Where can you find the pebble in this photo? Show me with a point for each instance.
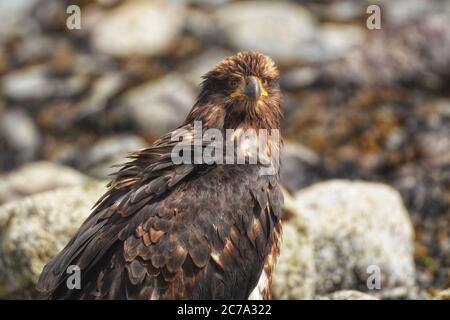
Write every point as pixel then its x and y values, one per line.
pixel 139 28
pixel 280 29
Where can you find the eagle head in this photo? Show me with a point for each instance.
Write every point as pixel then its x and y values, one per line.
pixel 242 91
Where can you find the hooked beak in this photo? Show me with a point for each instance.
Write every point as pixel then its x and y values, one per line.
pixel 251 87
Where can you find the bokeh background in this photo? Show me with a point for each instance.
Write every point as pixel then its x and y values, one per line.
pixel 359 104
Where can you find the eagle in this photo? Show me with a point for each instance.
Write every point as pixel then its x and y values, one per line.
pixel 167 229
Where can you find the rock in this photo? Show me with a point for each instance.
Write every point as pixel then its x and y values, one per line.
pixel 52 15
pixel 298 78
pixel 93 64
pixel 279 29
pixel 35 48
pixel 139 28
pixel 332 41
pixel 294 274
pixel 20 134
pixel 35 83
pixel 358 229
pixel 413 53
pixel 89 112
pixel 159 106
pixel 14 16
pixel 105 87
pixel 335 40
pixel 202 26
pixel 29 83
pixel 347 295
pixel 98 160
pixel 34 229
pixel 43 175
pixel 194 69
pixel 343 11
pixel 402 11
pixel 444 294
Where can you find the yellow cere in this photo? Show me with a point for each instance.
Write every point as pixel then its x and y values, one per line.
pixel 240 89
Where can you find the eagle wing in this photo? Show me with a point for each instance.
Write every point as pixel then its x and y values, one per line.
pixel 166 231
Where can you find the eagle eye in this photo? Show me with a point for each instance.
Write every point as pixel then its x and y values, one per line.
pixel 266 82
pixel 233 83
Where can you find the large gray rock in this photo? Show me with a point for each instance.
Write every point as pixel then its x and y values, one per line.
pixel 34 229
pixel 358 227
pixel 294 275
pixel 280 29
pixel 37 177
pixel 139 28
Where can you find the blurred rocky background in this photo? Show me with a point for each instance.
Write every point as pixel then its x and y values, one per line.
pixel 366 127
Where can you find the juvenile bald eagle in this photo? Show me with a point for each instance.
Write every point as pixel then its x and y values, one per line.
pixel 167 230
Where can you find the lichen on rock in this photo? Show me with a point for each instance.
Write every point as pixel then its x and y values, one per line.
pixel 34 229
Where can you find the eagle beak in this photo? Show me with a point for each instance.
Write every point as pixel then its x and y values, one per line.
pixel 251 87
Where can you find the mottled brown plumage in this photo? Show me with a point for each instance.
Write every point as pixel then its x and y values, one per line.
pixel 186 231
